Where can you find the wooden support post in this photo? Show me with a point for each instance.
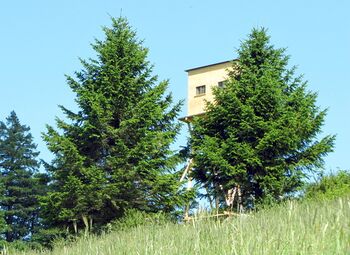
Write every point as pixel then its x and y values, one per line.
pixel 86 223
pixel 239 202
pixel 187 172
pixel 75 226
pixel 90 223
pixel 210 199
pixel 217 200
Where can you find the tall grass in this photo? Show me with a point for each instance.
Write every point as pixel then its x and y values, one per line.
pixel 294 228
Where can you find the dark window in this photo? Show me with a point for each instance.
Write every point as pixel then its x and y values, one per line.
pixel 221 84
pixel 200 90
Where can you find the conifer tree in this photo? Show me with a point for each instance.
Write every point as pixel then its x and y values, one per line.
pixel 19 187
pixel 114 153
pixel 261 133
pixel 3 226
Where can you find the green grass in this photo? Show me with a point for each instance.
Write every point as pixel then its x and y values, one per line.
pixel 294 228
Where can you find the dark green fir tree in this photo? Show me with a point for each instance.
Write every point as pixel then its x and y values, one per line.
pixel 262 131
pixel 114 153
pixel 3 226
pixel 19 184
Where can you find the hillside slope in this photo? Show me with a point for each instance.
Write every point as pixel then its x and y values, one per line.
pixel 294 228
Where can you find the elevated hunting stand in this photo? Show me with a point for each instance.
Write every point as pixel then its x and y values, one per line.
pixel 201 81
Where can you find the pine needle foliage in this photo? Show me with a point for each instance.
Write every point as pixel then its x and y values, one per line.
pixel 114 153
pixel 20 182
pixel 262 132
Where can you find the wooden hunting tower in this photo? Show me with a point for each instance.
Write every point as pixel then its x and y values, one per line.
pixel 201 81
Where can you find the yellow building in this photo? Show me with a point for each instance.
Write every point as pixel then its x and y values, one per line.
pixel 201 81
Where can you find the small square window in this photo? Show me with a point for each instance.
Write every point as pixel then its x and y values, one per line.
pixel 221 84
pixel 200 90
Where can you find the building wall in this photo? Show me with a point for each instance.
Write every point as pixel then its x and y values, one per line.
pixel 208 76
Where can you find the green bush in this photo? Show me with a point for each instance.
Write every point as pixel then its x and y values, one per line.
pixel 330 186
pixel 47 238
pixel 134 218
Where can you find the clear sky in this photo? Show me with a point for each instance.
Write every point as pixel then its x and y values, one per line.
pixel 41 41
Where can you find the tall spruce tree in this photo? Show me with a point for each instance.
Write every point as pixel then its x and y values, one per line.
pixel 114 153
pixel 261 133
pixel 3 227
pixel 19 186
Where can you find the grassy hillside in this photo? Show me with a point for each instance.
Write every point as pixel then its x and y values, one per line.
pixel 295 228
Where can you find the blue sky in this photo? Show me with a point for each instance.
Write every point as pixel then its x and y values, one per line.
pixel 41 41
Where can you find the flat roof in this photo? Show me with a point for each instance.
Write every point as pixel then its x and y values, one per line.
pixel 219 63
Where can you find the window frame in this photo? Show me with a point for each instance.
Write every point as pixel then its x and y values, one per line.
pixel 221 84
pixel 201 90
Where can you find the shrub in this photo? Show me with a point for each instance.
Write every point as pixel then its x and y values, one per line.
pixel 134 218
pixel 330 186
